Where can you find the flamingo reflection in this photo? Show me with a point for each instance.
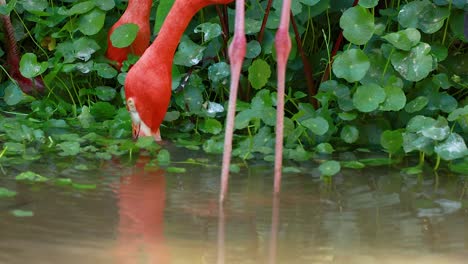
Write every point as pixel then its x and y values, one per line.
pixel 141 205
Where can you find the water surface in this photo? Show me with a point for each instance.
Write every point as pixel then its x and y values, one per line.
pixel 138 215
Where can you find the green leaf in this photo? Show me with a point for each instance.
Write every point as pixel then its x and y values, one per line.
pixel 259 73
pixel 80 8
pixel 30 68
pixel 243 118
pixel 391 140
pixel 318 125
pixel 105 5
pixel 358 25
pixel 176 170
pixel 84 47
pixel 91 23
pixel 211 126
pixel 124 35
pixel 457 113
pixel 85 117
pixel 351 65
pixel 13 94
pixel 164 157
pixel 417 104
pixel 82 186
pixel 368 3
pixel 413 65
pixel 395 99
pixel 35 5
pixel 325 148
pixel 404 39
pixel 105 93
pixel 4 192
pixel 349 134
pixel 453 147
pixel 163 9
pixel 209 30
pixel 22 213
pixel 189 53
pixel 219 72
pixel 424 15
pixel 309 2
pixel 104 70
pixel 368 97
pixel 103 111
pixel 69 148
pixel 329 168
pixel 253 49
pixel 31 176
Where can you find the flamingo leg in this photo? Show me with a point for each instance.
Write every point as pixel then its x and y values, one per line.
pixel 237 51
pixel 283 47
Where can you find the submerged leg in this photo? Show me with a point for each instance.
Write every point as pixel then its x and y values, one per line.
pixel 283 47
pixel 236 56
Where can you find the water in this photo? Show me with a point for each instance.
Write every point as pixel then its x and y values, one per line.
pixel 151 216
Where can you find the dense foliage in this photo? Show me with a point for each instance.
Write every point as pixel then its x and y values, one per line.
pixel 398 84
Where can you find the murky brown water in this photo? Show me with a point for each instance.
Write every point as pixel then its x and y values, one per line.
pixel 375 215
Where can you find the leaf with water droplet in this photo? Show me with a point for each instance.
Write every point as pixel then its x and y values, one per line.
pixel 92 22
pixel 325 148
pixel 189 53
pixel 84 48
pixel 351 65
pixel 413 65
pixel 453 147
pixel 416 104
pixel 404 39
pixel 124 35
pixel 209 30
pixel 30 68
pixel 219 71
pixel 13 94
pixel 423 15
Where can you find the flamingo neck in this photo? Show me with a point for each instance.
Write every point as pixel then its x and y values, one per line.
pixel 177 20
pixel 138 10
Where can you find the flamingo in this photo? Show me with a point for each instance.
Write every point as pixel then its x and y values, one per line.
pixel 27 85
pixel 148 83
pixel 137 12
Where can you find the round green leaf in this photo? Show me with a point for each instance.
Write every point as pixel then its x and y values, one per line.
pixel 189 53
pixel 368 3
pixel 351 65
pixel 253 49
pixel 13 94
pixel 368 97
pixel 80 8
pixel 457 113
pixel 164 157
pixel 395 99
pixel 329 168
pixel 35 5
pixel 392 141
pixel 209 30
pixel 105 93
pixel 404 39
pixel 424 15
pixel 259 73
pixel 30 68
pixel 104 70
pixel 325 148
pixel 358 25
pixel 413 65
pixel 309 2
pixel 218 72
pixel 84 48
pixel 453 147
pixel 349 134
pixel 92 22
pixel 318 125
pixel 211 126
pixel 417 104
pixel 124 35
pixel 105 5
